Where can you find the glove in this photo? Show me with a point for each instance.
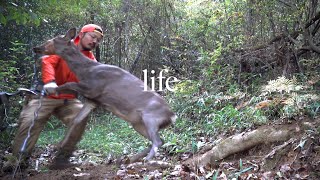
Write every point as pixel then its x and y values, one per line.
pixel 50 88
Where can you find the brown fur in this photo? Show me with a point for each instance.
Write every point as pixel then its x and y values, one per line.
pixel 114 89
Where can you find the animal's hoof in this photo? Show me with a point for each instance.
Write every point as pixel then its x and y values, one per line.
pixel 146 159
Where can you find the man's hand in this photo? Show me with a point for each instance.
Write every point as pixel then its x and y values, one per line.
pixel 50 88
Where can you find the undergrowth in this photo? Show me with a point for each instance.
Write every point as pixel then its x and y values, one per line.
pixel 204 113
pixel 114 136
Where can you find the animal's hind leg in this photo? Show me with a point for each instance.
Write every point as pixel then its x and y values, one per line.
pixel 140 128
pixel 153 133
pixel 156 143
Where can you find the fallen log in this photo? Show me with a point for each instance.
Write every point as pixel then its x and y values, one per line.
pixel 244 141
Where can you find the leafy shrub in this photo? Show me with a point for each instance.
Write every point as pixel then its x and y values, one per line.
pixel 16 71
pixel 290 98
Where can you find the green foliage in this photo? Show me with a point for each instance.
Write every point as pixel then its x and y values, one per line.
pixel 116 137
pixel 192 38
pixel 5 137
pixel 313 108
pixel 110 137
pixel 16 69
pixel 174 143
pixel 205 111
pixel 290 98
pixel 9 121
pixel 20 13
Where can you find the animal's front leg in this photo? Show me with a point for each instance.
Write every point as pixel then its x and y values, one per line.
pixel 77 128
pixel 70 87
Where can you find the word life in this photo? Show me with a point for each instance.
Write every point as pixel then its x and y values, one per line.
pixel 161 79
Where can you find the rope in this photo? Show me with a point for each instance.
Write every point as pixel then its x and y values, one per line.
pixel 23 148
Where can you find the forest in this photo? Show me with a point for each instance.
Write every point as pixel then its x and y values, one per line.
pixel 242 77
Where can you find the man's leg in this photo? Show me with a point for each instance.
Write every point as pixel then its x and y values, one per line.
pixel 74 111
pixel 33 117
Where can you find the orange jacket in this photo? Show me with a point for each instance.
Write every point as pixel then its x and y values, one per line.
pixel 54 68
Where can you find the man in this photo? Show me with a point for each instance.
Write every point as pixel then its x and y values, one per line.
pixel 65 107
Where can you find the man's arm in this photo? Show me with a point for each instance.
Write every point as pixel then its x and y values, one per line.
pixel 48 68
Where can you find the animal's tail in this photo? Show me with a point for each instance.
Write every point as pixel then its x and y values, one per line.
pixel 173 118
pixel 168 121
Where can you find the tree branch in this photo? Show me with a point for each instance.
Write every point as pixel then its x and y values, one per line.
pixel 313 46
pixel 313 20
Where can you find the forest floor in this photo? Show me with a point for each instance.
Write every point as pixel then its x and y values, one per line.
pixel 295 158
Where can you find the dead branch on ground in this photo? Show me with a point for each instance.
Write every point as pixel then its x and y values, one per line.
pixel 242 142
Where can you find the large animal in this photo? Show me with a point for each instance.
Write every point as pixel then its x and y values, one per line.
pixel 114 89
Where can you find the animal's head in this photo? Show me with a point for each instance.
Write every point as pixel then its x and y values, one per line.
pixel 57 44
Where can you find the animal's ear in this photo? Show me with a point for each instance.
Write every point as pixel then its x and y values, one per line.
pixel 71 34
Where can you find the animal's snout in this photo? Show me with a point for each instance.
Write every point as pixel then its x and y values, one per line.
pixel 38 49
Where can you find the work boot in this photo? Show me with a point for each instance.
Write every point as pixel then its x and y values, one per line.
pixel 11 164
pixel 61 161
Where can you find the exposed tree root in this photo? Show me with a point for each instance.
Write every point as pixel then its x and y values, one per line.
pixel 244 141
pixel 271 160
pixel 139 156
pixel 134 158
pixel 154 164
